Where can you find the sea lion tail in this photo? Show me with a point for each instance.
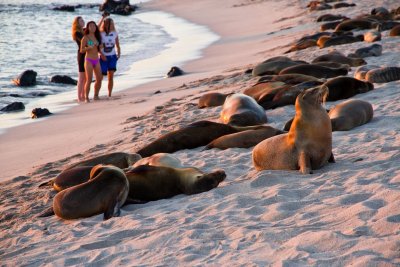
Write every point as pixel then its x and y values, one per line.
pixel 47 213
pixel 48 183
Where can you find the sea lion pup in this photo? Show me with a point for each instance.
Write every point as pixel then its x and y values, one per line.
pixel 349 114
pixel 395 31
pixel 69 178
pixel 261 88
pixel 212 100
pixel 293 78
pixel 160 159
pixel 308 144
pixel 149 183
pixel 119 159
pixel 359 24
pixel 105 192
pixel 242 110
pixel 360 72
pixel 273 67
pixel 191 136
pixel 383 75
pixel 244 139
pixel 338 57
pixel 374 50
pixel 345 87
pixel 315 70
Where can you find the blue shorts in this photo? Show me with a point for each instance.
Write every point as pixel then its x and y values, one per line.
pixel 110 64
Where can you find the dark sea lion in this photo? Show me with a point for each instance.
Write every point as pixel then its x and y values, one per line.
pixel 349 114
pixel 374 50
pixel 315 70
pixel 339 40
pixel 119 159
pixel 69 178
pixel 342 5
pixel 242 110
pixel 301 44
pixel 191 136
pixel 339 58
pixel 359 24
pixel 389 25
pixel 395 31
pixel 361 71
pixel 333 65
pixel 272 67
pixel 149 183
pixel 308 144
pixel 277 58
pixel 345 87
pixel 160 159
pixel 105 192
pixel 244 139
pixel 212 100
pixel 261 88
pixel 292 79
pixel 330 17
pixel 383 75
pixel 329 25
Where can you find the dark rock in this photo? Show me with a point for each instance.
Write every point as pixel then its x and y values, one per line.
pixel 174 71
pixel 27 78
pixel 121 7
pixel 248 71
pixel 157 92
pixel 65 8
pixel 63 79
pixel 40 112
pixel 15 106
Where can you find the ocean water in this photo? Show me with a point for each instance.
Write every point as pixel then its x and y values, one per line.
pixel 33 36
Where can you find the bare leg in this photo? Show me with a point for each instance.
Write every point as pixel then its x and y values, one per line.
pixel 89 76
pixel 97 84
pixel 81 86
pixel 110 76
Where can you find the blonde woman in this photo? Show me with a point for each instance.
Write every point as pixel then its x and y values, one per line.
pixel 111 50
pixel 77 35
pixel 91 45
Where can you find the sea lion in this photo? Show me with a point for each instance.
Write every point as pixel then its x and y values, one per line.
pixel 383 75
pixel 105 192
pixel 333 65
pixel 345 87
pixel 339 40
pixel 149 183
pixel 372 36
pixel 301 44
pixel 308 144
pixel 242 110
pixel 374 50
pixel 191 136
pixel 361 71
pixel 341 5
pixel 69 178
pixel 260 88
pixel 395 31
pixel 339 58
pixel 277 58
pixel 330 17
pixel 293 78
pixel 329 25
pixel 119 159
pixel 244 139
pixel 212 100
pixel 160 159
pixel 359 24
pixel 273 67
pixel 349 114
pixel 315 70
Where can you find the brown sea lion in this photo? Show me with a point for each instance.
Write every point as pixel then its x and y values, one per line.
pixel 333 65
pixel 149 183
pixel 244 139
pixel 302 44
pixel 277 58
pixel 339 40
pixel 353 24
pixel 160 159
pixel 374 50
pixel 315 70
pixel 293 78
pixel 273 67
pixel 330 17
pixel 212 100
pixel 383 75
pixel 242 110
pixel 395 31
pixel 345 87
pixel 261 88
pixel 341 5
pixel 349 114
pixel 119 159
pixel 191 136
pixel 69 178
pixel 329 25
pixel 339 58
pixel 360 72
pixel 308 144
pixel 105 192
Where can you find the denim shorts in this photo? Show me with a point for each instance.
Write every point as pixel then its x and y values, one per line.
pixel 109 64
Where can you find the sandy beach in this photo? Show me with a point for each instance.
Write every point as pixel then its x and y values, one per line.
pixel 344 214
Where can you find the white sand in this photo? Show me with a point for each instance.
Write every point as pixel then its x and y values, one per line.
pixel 346 213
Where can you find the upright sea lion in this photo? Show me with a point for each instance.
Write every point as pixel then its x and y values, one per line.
pixel 149 183
pixel 242 110
pixel 360 24
pixel 383 75
pixel 212 100
pixel 191 136
pixel 244 139
pixel 160 159
pixel 374 50
pixel 307 146
pixel 105 192
pixel 119 159
pixel 339 58
pixel 315 70
pixel 349 114
pixel 345 87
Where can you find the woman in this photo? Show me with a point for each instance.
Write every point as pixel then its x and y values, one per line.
pixel 109 38
pixel 91 45
pixel 77 35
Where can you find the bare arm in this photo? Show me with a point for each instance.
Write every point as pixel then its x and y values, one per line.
pixel 118 47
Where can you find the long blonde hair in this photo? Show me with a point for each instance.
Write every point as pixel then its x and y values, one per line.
pixel 76 27
pixel 108 26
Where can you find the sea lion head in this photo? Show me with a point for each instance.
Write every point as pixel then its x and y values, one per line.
pixel 312 97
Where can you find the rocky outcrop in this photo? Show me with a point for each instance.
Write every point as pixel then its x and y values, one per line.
pixel 39 112
pixel 15 106
pixel 174 71
pixel 121 7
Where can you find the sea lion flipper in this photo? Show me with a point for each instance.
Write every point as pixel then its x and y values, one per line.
pixel 48 183
pixel 331 158
pixel 305 163
pixel 47 212
pixel 112 210
pixel 130 201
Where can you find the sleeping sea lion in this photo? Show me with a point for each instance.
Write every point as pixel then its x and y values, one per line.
pixel 349 114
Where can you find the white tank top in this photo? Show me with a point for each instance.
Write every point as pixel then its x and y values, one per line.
pixel 108 41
